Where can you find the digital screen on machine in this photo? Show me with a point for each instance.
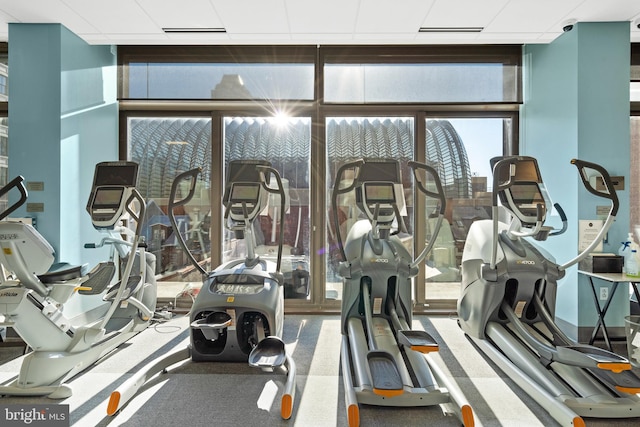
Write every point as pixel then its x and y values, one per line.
pixel 238 284
pixel 116 174
pixel 379 171
pixel 526 196
pixel 379 193
pixel 107 197
pixel 244 170
pixel 247 193
pixel 522 170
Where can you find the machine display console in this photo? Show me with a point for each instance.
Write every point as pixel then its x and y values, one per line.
pixel 112 186
pixel 382 193
pixel 244 199
pixel 245 193
pixel 527 197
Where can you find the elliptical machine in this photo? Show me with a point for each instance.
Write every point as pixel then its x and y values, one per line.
pixel 508 300
pixel 383 361
pixel 69 317
pixel 239 313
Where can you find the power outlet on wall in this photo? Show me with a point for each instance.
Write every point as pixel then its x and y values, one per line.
pixel 604 293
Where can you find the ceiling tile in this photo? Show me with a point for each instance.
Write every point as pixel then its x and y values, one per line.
pixel 313 21
pixel 116 16
pixel 463 13
pixel 252 16
pixel 398 16
pixel 322 17
pixel 190 14
pixel 46 12
pixel 530 16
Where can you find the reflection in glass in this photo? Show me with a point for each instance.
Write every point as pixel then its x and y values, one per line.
pixel 435 82
pixel 460 149
pixel 351 138
pixel 286 144
pixel 4 159
pixel 220 81
pixel 164 147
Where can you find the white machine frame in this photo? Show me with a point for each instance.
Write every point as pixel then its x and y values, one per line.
pixel 68 317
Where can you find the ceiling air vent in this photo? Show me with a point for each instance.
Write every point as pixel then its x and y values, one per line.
pixel 193 30
pixel 450 29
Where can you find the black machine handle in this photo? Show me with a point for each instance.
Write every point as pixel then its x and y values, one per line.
pixel 17 182
pixel 497 186
pixel 415 167
pixel 563 218
pixel 439 195
pixel 610 194
pixel 193 175
pixel 266 172
pixel 334 198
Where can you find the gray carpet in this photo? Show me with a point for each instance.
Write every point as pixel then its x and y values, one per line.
pixel 230 394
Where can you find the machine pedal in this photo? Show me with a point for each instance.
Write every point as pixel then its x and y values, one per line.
pixel 99 279
pixel 211 325
pixel 602 359
pixel 384 374
pixel 269 353
pixel 625 382
pixel 419 341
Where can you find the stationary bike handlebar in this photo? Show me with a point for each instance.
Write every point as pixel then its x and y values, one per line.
pixel 17 182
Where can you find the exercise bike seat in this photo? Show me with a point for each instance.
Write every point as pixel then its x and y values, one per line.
pixel 63 271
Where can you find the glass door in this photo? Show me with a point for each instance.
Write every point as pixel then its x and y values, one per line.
pixel 286 144
pixel 351 138
pixel 165 147
pixel 460 150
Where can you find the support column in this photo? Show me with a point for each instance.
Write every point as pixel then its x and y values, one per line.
pixel 577 106
pixel 63 119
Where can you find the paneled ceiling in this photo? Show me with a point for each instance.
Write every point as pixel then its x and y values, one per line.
pixel 318 21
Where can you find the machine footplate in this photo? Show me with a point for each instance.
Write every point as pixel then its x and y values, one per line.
pixel 625 382
pixel 213 324
pixel 384 373
pixel 269 353
pixel 603 359
pixel 419 341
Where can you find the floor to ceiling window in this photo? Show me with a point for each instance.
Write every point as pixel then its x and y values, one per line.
pixel 4 122
pixel 307 109
pixel 165 147
pixel 284 142
pixel 460 150
pixel 351 138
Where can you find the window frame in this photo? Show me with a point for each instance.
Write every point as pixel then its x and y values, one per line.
pixel 318 110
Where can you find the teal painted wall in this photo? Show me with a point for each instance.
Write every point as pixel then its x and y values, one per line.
pixel 64 108
pixel 577 106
